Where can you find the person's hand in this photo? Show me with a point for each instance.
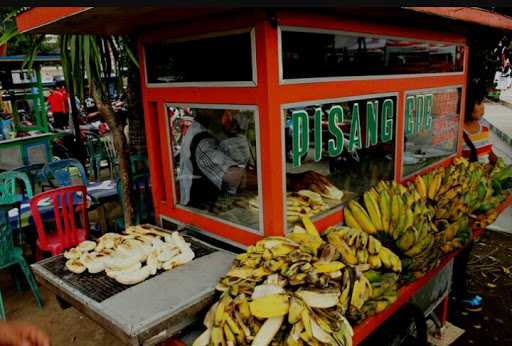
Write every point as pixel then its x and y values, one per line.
pixel 22 334
pixel 251 180
pixel 233 177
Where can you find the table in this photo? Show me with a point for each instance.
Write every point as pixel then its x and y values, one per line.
pixel 96 191
pixel 27 150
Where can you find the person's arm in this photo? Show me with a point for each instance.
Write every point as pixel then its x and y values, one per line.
pixel 22 334
pixel 216 166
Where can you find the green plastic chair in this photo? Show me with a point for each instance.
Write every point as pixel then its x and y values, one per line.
pixel 8 187
pixel 96 151
pixel 140 176
pixel 11 255
pixel 113 160
pixel 9 194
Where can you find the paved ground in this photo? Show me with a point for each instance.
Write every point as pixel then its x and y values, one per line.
pixel 499 116
pixel 506 96
pixel 489 276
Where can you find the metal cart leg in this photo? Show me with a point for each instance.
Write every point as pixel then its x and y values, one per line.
pixel 444 310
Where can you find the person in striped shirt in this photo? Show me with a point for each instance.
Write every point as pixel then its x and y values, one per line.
pixel 477 145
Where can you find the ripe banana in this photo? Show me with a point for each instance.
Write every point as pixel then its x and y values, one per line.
pixel 373 210
pixel 395 213
pixel 420 186
pixel 362 217
pixel 385 210
pixel 350 220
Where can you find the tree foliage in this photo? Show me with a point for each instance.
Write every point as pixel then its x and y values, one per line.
pixel 93 60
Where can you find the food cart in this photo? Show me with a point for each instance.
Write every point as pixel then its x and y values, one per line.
pixel 328 101
pixel 23 102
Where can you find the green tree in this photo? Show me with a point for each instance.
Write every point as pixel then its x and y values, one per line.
pixel 17 43
pixel 95 59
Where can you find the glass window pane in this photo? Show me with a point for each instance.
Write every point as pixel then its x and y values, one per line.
pixel 215 161
pixel 431 127
pixel 320 55
pixel 213 59
pixel 335 151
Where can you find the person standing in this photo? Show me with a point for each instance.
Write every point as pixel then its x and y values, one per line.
pixel 477 147
pixel 65 100
pixel 56 104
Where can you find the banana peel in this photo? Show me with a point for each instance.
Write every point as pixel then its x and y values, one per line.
pixel 273 305
pixel 319 299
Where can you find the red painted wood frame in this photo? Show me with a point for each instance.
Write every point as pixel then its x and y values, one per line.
pixel 269 95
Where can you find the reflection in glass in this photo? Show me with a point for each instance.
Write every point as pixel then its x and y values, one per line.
pixel 431 128
pixel 215 162
pixel 213 59
pixel 320 55
pixel 366 156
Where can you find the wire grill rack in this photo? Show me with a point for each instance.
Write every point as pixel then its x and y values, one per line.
pixel 99 286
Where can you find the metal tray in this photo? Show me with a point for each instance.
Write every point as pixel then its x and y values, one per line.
pixel 99 286
pixel 151 311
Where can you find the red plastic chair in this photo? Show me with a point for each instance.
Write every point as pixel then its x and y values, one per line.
pixel 66 204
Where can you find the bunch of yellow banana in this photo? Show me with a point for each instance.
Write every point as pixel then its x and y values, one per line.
pixel 384 292
pixel 389 210
pixel 456 234
pixel 358 248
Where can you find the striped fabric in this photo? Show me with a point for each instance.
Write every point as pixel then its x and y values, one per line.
pixel 482 144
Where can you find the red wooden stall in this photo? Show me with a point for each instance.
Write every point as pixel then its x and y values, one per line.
pixel 278 47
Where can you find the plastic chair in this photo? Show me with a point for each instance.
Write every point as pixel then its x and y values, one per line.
pixel 10 196
pixel 11 255
pixel 33 171
pixel 8 187
pixel 69 205
pixel 140 178
pixel 96 151
pixel 62 170
pixel 113 160
pixel 143 207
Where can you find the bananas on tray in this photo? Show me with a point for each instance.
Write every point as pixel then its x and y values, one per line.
pixel 297 290
pixel 304 203
pixel 131 257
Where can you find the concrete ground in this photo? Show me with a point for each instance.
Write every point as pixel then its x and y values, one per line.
pixel 499 116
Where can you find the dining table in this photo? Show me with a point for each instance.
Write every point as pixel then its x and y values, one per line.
pixel 97 192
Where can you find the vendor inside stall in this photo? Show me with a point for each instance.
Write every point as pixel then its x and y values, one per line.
pixel 215 158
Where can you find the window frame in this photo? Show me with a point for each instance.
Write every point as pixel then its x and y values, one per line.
pixel 175 202
pixel 283 107
pixel 425 169
pixel 289 81
pixel 251 83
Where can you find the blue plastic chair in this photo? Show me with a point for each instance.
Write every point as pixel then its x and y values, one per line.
pixel 62 170
pixel 11 255
pixel 33 172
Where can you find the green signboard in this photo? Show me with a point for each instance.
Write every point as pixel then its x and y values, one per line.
pixel 418 113
pixel 349 125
